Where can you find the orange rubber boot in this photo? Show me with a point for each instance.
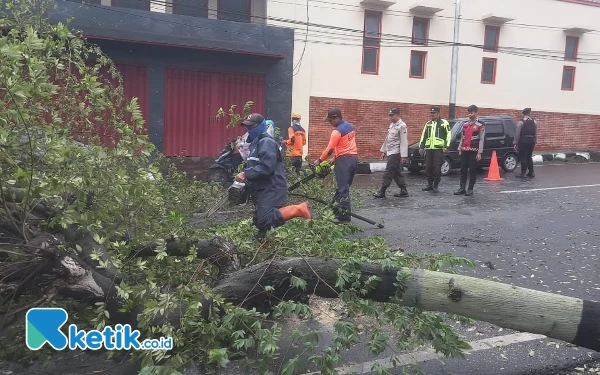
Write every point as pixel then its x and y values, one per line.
pixel 298 210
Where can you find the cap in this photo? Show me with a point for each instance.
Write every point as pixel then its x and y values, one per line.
pixel 296 115
pixel 394 111
pixel 527 111
pixel 435 109
pixel 253 119
pixel 333 113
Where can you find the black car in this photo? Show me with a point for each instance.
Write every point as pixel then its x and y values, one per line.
pixel 499 137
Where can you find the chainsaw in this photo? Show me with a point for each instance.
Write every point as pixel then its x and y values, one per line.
pixel 320 171
pixel 238 193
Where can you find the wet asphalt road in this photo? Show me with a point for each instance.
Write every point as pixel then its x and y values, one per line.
pixel 545 239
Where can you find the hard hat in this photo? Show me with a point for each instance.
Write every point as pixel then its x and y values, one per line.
pixel 296 115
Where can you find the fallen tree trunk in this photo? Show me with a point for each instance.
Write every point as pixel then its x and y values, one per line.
pixel 568 319
pixel 565 318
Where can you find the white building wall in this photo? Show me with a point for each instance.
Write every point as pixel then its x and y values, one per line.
pixel 531 82
pixel 334 70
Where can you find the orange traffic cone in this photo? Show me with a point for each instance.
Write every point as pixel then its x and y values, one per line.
pixel 494 172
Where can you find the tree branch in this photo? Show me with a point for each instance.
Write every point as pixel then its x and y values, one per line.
pixel 89 246
pixel 217 251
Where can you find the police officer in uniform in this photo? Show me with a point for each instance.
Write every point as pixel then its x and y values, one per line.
pixel 265 176
pixel 470 149
pixel 434 142
pixel 395 148
pixel 525 141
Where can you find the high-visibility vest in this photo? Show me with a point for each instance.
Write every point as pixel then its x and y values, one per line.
pixel 436 135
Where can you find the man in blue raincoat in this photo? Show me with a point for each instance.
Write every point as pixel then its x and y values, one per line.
pixel 266 178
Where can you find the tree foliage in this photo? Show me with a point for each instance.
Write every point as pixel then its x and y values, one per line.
pixel 74 157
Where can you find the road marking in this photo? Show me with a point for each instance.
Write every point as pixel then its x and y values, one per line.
pixel 427 355
pixel 551 188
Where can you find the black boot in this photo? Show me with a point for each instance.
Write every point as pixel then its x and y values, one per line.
pixel 429 186
pixel 531 175
pixel 460 191
pixel 435 187
pixel 260 236
pixel 469 192
pixel 403 192
pixel 380 193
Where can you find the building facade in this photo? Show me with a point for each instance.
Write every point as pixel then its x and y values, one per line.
pixel 186 59
pixel 366 56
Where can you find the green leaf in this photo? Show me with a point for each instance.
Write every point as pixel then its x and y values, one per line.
pixel 291 366
pixel 219 356
pixel 297 282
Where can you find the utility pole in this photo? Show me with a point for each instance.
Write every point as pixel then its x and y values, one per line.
pixel 454 72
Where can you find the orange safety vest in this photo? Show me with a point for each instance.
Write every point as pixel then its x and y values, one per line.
pixel 296 140
pixel 342 142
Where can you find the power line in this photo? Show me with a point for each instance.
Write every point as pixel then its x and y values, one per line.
pixel 401 13
pixel 525 52
pixel 289 21
pixel 305 42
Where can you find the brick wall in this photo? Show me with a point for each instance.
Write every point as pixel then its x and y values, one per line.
pixel 556 131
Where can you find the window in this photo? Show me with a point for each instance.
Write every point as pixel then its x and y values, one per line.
pixel 488 70
pixel 568 78
pixel 196 8
pixel 417 64
pixel 491 38
pixel 509 128
pixel 493 129
pixel 571 46
pixel 94 2
pixel 420 31
pixel 457 129
pixel 371 42
pixel 132 4
pixel 234 10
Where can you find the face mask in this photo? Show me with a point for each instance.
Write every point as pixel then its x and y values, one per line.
pixel 255 132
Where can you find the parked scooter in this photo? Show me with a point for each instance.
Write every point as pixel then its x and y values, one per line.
pixel 226 165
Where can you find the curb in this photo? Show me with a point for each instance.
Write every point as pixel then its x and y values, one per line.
pixel 576 156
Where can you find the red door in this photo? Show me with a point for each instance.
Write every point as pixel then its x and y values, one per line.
pixel 135 84
pixel 192 100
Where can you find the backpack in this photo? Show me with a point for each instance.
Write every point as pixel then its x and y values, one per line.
pixel 528 131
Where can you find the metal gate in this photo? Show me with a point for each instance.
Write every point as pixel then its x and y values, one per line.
pixel 192 100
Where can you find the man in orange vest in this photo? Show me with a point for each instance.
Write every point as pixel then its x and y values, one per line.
pixel 342 145
pixel 296 142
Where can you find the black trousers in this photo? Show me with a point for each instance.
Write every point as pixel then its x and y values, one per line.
pixel 393 172
pixel 267 203
pixel 345 169
pixel 468 166
pixel 433 165
pixel 526 157
pixel 296 162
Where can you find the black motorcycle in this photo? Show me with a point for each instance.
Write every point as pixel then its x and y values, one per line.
pixel 226 165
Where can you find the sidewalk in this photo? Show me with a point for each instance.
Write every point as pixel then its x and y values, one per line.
pixel 538 157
